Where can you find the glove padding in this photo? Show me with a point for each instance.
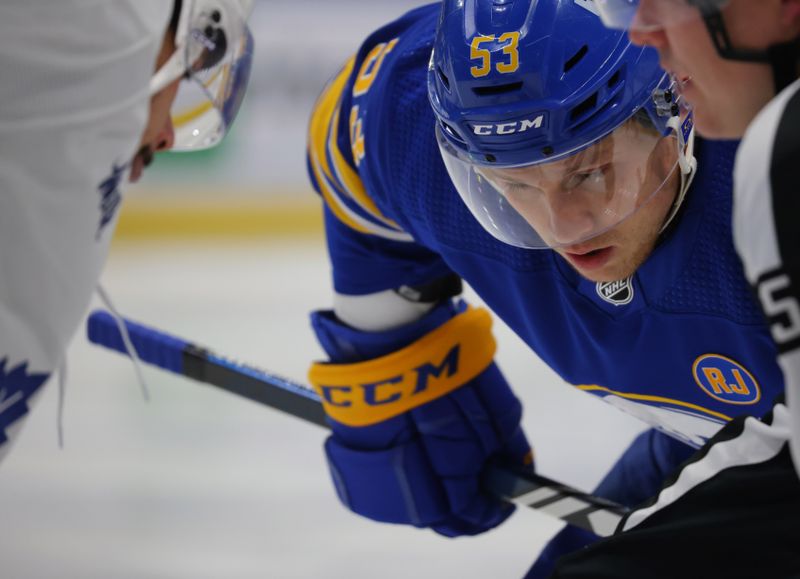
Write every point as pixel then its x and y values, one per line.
pixel 422 466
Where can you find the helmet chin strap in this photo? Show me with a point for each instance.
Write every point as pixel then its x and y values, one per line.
pixel 783 57
pixel 688 167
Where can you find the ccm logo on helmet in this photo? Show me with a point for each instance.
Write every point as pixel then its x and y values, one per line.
pixel 508 128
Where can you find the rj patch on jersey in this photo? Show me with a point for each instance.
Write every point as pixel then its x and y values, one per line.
pixel 725 380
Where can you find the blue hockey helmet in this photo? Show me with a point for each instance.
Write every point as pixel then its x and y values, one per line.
pixel 536 99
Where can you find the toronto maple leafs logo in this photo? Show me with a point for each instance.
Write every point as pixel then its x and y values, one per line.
pixel 110 196
pixel 16 386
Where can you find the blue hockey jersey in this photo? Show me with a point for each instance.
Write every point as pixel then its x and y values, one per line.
pixel 682 344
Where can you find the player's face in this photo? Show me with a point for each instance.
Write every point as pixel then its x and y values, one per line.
pixel 570 199
pixel 725 94
pixel 159 134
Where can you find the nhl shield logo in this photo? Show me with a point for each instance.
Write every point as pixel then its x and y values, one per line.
pixel 618 292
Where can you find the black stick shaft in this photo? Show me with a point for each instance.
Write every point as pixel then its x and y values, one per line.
pixel 181 357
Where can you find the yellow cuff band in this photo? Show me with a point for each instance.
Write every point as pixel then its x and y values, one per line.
pixel 369 392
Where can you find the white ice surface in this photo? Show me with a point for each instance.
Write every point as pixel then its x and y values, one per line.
pixel 200 484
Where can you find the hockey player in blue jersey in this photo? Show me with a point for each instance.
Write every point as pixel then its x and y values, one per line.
pixel 524 148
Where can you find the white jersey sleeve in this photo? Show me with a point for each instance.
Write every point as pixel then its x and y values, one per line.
pixel 767 235
pixel 74 104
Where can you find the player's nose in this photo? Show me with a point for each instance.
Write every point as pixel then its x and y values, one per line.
pixel 571 218
pixel 646 28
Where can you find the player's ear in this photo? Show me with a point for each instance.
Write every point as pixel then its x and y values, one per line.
pixel 790 18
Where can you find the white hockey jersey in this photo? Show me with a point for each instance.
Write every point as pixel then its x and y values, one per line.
pixel 74 100
pixel 766 232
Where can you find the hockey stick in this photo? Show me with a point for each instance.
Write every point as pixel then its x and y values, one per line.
pixel 181 357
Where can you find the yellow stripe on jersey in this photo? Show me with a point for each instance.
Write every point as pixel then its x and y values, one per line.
pixel 371 65
pixel 350 180
pixel 649 398
pixel 318 129
pixel 320 140
pixel 370 392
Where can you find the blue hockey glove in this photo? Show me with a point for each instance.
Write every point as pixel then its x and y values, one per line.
pixel 416 413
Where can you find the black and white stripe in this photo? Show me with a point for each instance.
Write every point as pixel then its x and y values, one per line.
pixel 767 232
pixel 785 182
pixel 732 511
pixel 558 500
pixel 744 443
pixel 574 509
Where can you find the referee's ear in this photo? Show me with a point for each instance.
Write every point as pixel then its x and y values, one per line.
pixel 790 20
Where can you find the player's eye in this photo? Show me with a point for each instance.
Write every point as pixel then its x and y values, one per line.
pixel 516 186
pixel 592 179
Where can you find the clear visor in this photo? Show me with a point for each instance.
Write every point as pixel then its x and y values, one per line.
pixel 643 15
pixel 566 202
pixel 215 62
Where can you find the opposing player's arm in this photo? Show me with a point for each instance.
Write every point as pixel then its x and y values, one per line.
pixel 66 140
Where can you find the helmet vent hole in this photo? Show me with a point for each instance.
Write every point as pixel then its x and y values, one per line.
pixel 443 78
pixel 583 108
pixel 498 89
pixel 612 82
pixel 576 58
